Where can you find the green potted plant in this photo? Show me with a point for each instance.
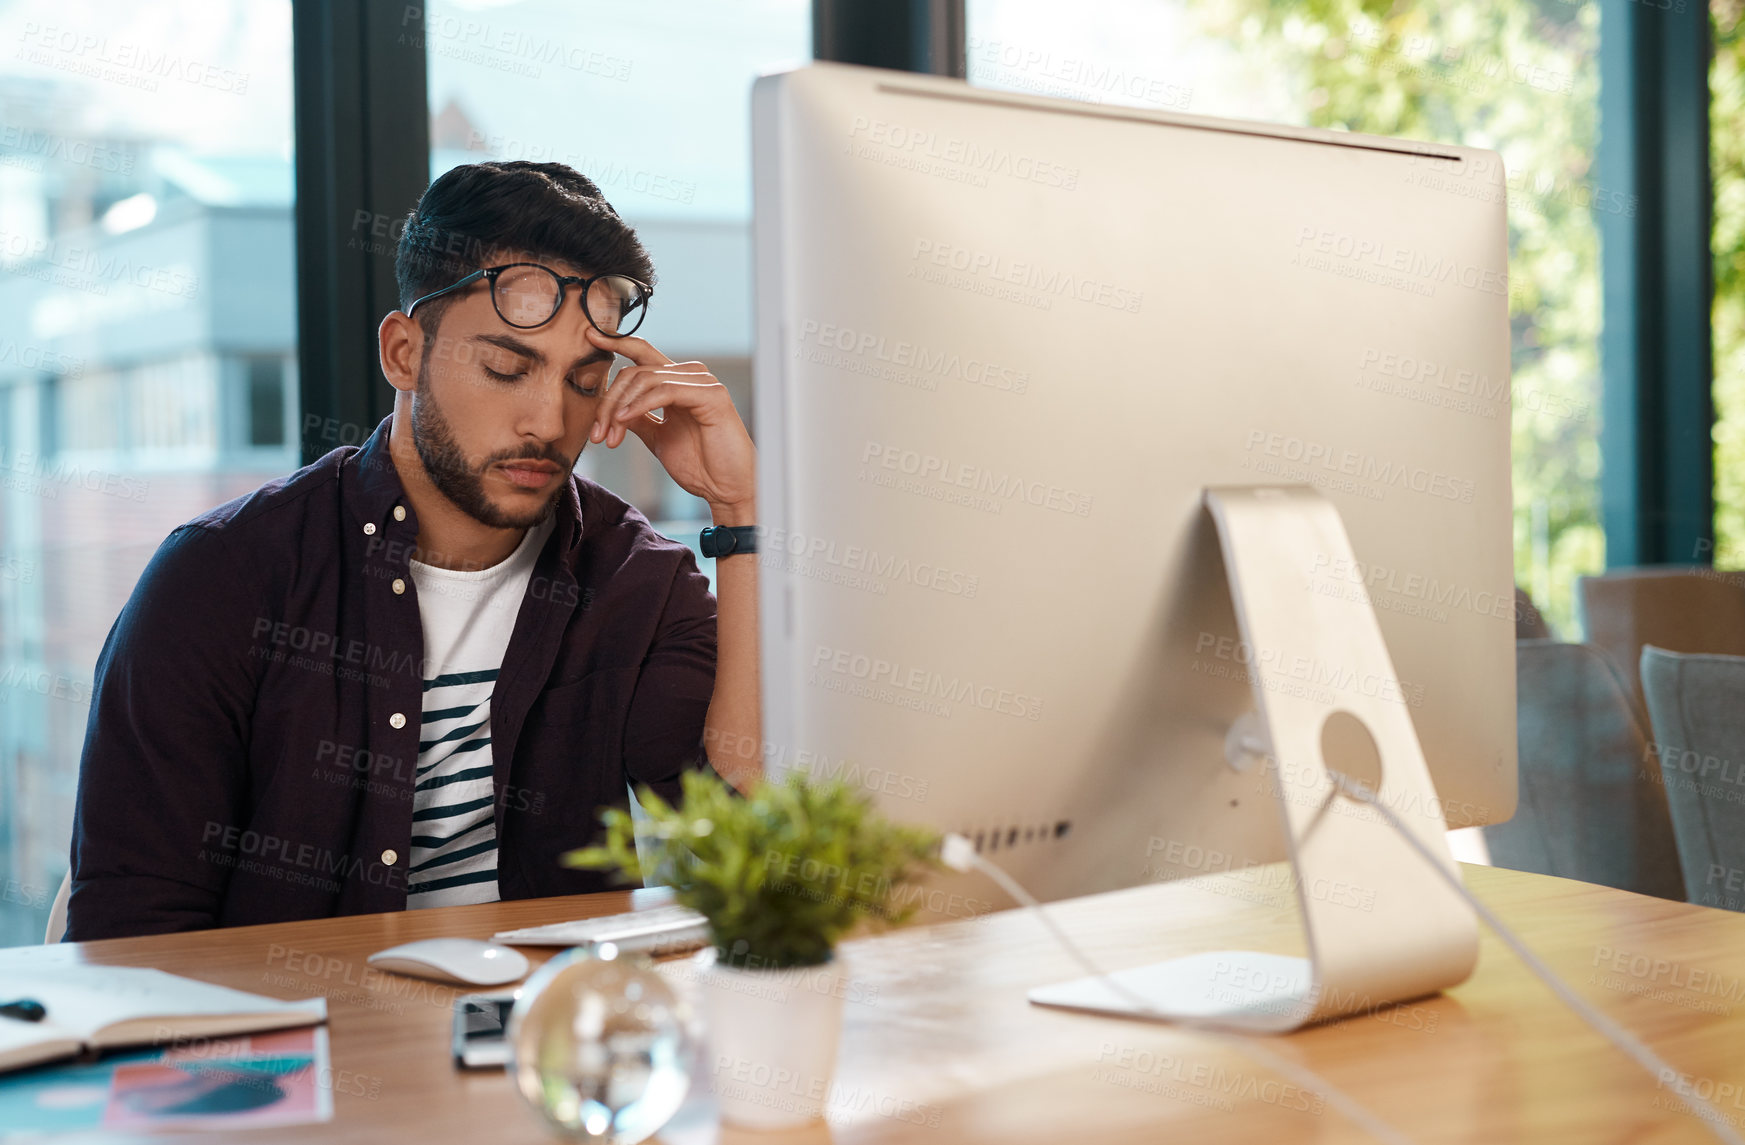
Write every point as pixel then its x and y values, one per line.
pixel 782 873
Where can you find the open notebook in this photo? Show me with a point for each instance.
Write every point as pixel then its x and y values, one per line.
pixel 99 1007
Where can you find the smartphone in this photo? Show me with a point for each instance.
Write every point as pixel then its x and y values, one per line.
pixel 479 1022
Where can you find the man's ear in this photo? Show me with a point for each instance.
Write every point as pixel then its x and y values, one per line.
pixel 402 349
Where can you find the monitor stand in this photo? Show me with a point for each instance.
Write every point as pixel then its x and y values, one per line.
pixel 1381 927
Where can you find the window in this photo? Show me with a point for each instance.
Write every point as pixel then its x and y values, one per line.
pixel 1516 76
pixel 662 122
pixel 266 402
pixel 146 291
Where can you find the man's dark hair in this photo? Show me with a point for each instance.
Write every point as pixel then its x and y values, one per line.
pixel 529 211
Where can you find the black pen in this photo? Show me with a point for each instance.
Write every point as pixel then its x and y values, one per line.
pixel 25 1010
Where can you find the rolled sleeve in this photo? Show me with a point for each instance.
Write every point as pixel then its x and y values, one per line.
pixel 163 779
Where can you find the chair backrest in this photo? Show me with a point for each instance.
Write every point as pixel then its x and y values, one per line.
pixel 1587 810
pixel 1529 621
pixel 1697 704
pixel 654 875
pixel 57 911
pixel 1683 608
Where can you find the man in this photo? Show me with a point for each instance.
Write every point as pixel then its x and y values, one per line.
pixel 409 673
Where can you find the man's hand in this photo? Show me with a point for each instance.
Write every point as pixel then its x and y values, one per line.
pixel 703 445
pixel 701 440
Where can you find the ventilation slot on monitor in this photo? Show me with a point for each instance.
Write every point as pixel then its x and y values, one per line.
pixel 990 839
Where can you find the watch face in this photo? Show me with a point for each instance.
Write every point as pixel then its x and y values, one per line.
pixel 725 540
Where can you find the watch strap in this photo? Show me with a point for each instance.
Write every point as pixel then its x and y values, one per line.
pixel 726 540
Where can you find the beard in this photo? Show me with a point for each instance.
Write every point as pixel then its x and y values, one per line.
pixel 446 465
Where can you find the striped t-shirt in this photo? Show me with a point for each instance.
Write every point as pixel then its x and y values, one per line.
pixel 467 618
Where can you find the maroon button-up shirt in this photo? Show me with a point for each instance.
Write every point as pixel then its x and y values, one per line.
pixel 254 725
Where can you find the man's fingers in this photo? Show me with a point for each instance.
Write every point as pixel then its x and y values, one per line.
pixel 628 382
pixel 675 389
pixel 634 348
pixel 655 394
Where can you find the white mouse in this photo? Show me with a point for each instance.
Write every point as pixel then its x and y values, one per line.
pixel 469 961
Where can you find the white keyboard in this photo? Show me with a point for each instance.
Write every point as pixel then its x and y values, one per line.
pixel 664 928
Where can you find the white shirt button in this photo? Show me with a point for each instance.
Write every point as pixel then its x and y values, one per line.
pixel 399 512
pixel 397 720
pixel 369 528
pixel 399 586
pixel 390 856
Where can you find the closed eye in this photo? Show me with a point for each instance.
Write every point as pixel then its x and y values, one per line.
pixel 589 379
pixel 587 391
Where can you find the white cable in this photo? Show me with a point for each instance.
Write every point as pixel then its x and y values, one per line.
pixel 1612 1031
pixel 961 854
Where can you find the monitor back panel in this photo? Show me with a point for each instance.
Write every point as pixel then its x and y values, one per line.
pixel 1003 344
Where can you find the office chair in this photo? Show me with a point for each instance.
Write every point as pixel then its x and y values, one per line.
pixel 1697 705
pixel 1587 810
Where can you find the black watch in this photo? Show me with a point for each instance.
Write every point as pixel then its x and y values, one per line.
pixel 725 540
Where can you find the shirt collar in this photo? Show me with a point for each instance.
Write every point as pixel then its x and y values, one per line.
pixel 375 491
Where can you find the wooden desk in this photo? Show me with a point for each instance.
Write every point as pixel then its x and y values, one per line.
pixel 940 1046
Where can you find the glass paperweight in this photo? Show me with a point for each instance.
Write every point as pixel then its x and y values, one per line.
pixel 601 1047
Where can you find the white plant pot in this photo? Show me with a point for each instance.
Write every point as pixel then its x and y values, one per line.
pixel 772 1040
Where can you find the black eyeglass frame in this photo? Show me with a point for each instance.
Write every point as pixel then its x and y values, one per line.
pixel 563 283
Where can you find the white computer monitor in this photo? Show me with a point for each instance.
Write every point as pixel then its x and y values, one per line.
pixel 1004 344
